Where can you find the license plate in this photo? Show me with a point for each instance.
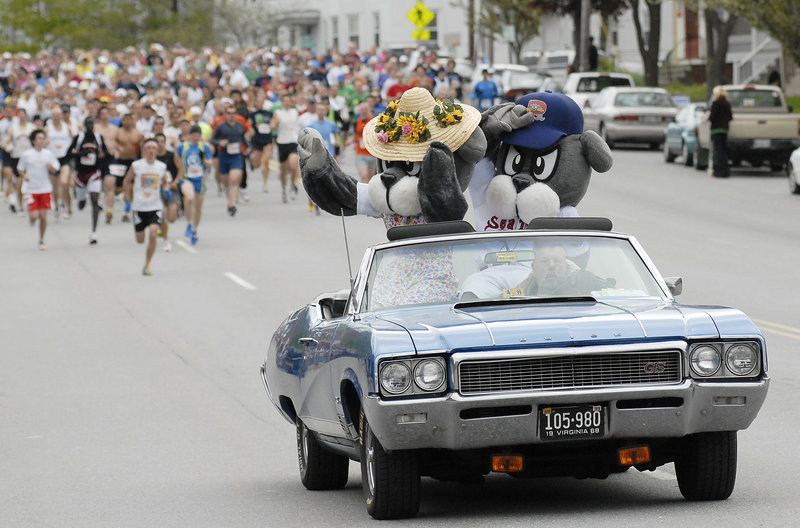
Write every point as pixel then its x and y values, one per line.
pixel 650 119
pixel 572 422
pixel 761 143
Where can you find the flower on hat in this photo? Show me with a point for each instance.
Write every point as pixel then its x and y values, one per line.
pixel 393 126
pixel 447 112
pixel 383 137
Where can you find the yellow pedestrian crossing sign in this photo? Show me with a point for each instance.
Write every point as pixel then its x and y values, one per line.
pixel 421 34
pixel 420 15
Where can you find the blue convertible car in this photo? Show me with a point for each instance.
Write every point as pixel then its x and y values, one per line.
pixel 554 351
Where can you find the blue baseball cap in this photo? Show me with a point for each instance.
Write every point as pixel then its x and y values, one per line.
pixel 555 116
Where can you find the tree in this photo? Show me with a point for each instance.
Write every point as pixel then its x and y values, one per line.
pixel 719 25
pixel 519 14
pixel 779 18
pixel 648 48
pixel 572 8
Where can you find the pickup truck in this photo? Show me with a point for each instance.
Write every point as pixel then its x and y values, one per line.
pixel 763 130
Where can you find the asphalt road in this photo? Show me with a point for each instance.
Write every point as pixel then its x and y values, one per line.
pixel 136 401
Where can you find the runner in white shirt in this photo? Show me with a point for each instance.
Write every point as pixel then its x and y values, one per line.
pixel 18 140
pixel 285 121
pixel 34 167
pixel 59 137
pixel 142 187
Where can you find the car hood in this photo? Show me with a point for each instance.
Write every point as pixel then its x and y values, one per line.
pixel 476 326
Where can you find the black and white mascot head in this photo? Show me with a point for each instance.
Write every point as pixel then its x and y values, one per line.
pixel 538 161
pixel 426 151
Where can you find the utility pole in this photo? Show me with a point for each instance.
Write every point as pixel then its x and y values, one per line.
pixel 583 45
pixel 471 30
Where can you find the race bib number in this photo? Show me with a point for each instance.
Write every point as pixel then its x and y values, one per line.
pixel 90 158
pixel 233 148
pixel 60 146
pixel 116 169
pixel 150 185
pixel 264 128
pixel 195 171
pixel 486 103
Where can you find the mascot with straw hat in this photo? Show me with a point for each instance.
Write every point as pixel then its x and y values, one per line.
pixel 426 150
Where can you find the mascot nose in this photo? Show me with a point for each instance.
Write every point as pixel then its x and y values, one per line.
pixel 521 182
pixel 388 179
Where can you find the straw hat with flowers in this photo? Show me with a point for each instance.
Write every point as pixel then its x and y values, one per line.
pixel 405 130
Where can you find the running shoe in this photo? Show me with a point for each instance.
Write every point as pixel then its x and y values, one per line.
pixel 232 210
pixel 42 246
pixel 146 271
pixel 167 246
pixel 110 215
pixel 283 197
pixel 93 239
pixel 194 238
pixel 12 208
pixel 243 194
pixel 188 231
pixel 81 205
pixel 126 218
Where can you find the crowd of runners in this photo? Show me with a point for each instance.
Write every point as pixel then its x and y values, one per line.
pixel 148 131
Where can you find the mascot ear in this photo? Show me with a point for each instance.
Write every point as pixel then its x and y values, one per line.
pixel 596 151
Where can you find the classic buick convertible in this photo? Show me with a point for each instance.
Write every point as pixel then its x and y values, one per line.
pixel 554 351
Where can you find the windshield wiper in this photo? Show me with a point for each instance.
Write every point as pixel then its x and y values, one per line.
pixel 523 300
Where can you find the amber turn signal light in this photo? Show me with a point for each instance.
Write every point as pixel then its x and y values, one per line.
pixel 507 463
pixel 630 456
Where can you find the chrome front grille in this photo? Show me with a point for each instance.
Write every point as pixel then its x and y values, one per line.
pixel 478 376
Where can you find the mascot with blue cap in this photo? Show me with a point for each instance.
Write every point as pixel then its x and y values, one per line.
pixel 538 162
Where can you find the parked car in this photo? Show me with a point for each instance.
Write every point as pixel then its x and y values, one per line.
pixel 554 351
pixel 518 83
pixel 793 172
pixel 680 136
pixel 583 87
pixel 763 129
pixel 631 115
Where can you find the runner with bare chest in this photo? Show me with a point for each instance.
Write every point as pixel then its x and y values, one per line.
pixel 128 141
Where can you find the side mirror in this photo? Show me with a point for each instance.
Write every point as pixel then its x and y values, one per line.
pixel 675 285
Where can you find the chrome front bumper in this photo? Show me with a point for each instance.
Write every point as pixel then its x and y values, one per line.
pixel 438 423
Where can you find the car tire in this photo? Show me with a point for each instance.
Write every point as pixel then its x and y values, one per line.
pixel 669 157
pixel 706 466
pixel 391 481
pixel 700 158
pixel 794 186
pixel 688 159
pixel 319 469
pixel 776 167
pixel 604 135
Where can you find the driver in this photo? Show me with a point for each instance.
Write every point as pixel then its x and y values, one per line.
pixel 553 274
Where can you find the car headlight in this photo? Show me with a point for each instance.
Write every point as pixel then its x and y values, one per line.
pixel 741 359
pixel 395 378
pixel 429 375
pixel 705 360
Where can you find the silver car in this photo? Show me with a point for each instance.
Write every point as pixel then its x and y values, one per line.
pixel 630 115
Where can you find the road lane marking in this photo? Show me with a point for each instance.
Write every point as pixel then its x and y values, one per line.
pixel 240 281
pixel 186 246
pixel 782 330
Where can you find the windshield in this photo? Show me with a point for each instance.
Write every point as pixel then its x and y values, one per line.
pixel 595 84
pixel 754 98
pixel 481 269
pixel 643 99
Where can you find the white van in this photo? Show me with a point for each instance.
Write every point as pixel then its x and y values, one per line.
pixel 583 87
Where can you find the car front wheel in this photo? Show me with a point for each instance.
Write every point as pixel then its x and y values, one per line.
pixel 687 156
pixel 706 466
pixel 669 157
pixel 319 469
pixel 391 481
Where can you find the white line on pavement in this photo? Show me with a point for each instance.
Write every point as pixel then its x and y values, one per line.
pixel 186 246
pixel 240 281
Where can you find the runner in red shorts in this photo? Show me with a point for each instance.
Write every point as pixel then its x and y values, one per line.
pixel 35 166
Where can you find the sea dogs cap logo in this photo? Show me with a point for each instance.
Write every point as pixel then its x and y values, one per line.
pixel 555 116
pixel 538 109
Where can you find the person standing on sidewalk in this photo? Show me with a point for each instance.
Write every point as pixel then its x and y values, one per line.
pixel 143 183
pixel 720 116
pixel 34 167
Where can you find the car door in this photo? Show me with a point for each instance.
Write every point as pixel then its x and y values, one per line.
pixel 317 407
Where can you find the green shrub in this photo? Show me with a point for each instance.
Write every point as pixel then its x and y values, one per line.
pixel 696 92
pixel 794 102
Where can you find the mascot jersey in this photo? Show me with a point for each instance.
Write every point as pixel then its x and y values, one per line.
pixel 488 218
